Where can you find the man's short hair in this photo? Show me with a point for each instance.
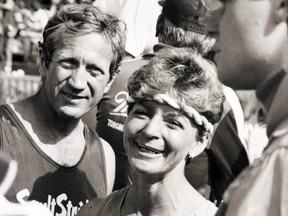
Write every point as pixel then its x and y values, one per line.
pixel 81 19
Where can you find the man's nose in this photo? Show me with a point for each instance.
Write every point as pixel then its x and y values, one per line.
pixel 78 79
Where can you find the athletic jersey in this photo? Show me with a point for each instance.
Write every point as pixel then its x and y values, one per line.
pixel 111 115
pixel 63 189
pixel 140 18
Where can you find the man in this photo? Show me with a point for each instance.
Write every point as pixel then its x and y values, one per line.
pixel 181 24
pixel 62 163
pixel 253 54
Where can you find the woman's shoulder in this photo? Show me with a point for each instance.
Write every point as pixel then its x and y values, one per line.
pixel 105 206
pixel 92 207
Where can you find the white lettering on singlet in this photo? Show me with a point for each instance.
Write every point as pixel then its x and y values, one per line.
pixel 61 201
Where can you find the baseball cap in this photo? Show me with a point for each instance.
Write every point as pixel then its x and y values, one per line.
pixel 191 15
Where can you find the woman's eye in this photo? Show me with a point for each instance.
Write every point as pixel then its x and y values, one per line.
pixel 141 113
pixel 174 124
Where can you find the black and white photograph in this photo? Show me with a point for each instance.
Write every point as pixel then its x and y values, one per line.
pixel 143 107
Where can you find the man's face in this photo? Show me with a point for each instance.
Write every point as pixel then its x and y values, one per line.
pixel 249 45
pixel 77 75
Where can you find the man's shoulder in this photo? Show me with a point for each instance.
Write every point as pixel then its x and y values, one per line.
pixel 3 109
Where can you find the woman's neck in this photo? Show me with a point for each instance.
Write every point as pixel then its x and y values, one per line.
pixel 162 198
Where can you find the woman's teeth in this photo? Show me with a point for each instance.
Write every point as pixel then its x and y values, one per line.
pixel 149 150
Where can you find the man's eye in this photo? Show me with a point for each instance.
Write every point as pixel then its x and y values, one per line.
pixel 68 64
pixel 94 71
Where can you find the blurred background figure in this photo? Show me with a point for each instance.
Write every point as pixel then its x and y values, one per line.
pixel 255 126
pixel 7 32
pixel 35 17
pixel 140 17
pixel 253 55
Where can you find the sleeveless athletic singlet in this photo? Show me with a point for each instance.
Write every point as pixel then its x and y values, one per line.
pixel 63 189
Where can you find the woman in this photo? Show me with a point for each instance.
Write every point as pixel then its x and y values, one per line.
pixel 174 100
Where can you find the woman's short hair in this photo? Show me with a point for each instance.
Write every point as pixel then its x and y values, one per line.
pixel 185 76
pixel 81 19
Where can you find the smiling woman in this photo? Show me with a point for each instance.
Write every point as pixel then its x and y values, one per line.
pixel 173 102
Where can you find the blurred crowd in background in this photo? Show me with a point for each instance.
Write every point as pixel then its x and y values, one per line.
pixel 21 25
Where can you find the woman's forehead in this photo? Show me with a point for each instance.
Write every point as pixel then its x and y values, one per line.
pixel 153 105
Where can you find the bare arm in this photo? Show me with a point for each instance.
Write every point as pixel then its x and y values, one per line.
pixel 110 165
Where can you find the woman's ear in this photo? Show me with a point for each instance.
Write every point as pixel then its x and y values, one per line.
pixel 202 143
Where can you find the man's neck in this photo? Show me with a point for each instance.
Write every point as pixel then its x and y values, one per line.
pixel 61 139
pixel 47 124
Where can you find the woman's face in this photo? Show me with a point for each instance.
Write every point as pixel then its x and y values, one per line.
pixel 158 138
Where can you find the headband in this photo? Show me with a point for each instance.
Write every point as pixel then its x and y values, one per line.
pixel 188 110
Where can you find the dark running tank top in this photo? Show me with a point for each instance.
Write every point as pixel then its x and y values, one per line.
pixel 63 189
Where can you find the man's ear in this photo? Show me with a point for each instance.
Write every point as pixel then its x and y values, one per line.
pixel 108 86
pixel 281 11
pixel 202 143
pixel 42 68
